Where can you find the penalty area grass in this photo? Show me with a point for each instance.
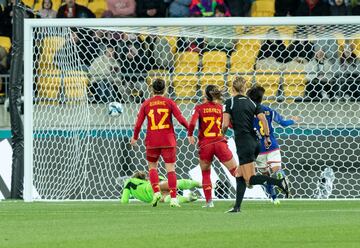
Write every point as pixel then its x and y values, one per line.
pixel 136 225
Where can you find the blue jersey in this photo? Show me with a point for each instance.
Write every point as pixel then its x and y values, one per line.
pixel 271 115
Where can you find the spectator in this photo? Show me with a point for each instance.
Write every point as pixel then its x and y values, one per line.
pixel 120 8
pixel 355 4
pixel 133 66
pixel 220 43
pixel 179 8
pixel 206 8
pixel 286 7
pixel 329 46
pixel 158 53
pixel 300 51
pixel 339 8
pixel 312 8
pixel 272 53
pixel 103 72
pixel 73 10
pixel 239 7
pixel 320 77
pixel 6 19
pixel 349 77
pixel 150 8
pixel 46 11
pixel 4 65
pixel 6 15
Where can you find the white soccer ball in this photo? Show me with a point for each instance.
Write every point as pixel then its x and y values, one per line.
pixel 115 109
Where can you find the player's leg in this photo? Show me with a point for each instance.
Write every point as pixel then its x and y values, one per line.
pixel 206 155
pixel 152 156
pixel 263 168
pixel 225 156
pixel 182 184
pixel 169 156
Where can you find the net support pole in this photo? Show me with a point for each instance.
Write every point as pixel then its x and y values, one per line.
pixel 28 113
pixel 17 139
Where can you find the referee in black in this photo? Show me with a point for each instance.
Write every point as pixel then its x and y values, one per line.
pixel 240 111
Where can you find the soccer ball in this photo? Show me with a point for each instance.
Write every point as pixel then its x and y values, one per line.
pixel 115 109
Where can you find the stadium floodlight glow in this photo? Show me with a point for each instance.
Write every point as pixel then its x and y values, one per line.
pixel 76 150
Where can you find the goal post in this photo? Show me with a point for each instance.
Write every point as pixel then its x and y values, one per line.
pixel 77 143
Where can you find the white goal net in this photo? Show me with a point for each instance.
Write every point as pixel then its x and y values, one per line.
pixel 77 143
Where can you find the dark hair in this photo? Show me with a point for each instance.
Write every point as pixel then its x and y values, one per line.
pixel 158 86
pixel 139 175
pixel 212 93
pixel 221 8
pixel 51 4
pixel 256 93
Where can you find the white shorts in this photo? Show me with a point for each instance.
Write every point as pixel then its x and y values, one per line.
pixel 268 160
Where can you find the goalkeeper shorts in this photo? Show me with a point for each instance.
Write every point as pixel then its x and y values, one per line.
pixel 218 149
pixel 168 154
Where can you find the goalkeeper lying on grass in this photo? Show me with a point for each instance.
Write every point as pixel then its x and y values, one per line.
pixel 140 188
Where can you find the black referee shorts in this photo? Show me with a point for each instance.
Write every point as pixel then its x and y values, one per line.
pixel 247 148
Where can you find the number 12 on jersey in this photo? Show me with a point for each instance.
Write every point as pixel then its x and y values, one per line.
pixel 164 113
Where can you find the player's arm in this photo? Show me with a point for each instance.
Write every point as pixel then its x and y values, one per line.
pixel 192 124
pixel 226 116
pixel 279 119
pixel 177 113
pixel 139 121
pixel 125 195
pixel 262 118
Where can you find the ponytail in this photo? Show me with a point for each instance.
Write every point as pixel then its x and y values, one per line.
pixel 213 93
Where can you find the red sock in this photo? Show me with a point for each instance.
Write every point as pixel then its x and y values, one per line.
pixel 233 171
pixel 206 184
pixel 154 179
pixel 172 183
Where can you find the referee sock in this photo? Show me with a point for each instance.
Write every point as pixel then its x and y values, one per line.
pixel 172 183
pixel 261 179
pixel 240 191
pixel 206 184
pixel 154 179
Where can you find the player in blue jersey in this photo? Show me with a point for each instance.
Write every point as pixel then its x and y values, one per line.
pixel 269 160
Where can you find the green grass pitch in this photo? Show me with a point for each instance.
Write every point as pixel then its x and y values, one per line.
pixel 110 224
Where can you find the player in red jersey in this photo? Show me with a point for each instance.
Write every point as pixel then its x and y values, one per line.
pixel 160 137
pixel 212 143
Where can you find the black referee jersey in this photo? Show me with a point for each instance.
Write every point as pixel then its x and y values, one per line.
pixel 242 111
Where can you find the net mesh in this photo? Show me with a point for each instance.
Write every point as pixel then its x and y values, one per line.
pixel 81 139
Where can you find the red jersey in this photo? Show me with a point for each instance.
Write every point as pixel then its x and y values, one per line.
pixel 210 116
pixel 160 129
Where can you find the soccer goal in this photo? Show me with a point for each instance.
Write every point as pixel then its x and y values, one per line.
pixel 86 78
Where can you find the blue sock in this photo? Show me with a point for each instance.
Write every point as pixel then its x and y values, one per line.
pixel 271 191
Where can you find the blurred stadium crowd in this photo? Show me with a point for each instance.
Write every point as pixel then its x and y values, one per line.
pixel 321 62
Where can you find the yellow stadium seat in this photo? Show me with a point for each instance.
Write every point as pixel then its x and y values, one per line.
pixel 294 85
pixel 216 80
pixel 242 62
pixel 263 8
pixel 76 87
pixel 5 43
pixel 98 7
pixel 214 61
pixel 185 86
pixel 48 87
pixel 28 3
pixel 172 42
pixel 187 62
pixel 162 74
pixel 269 81
pixel 83 2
